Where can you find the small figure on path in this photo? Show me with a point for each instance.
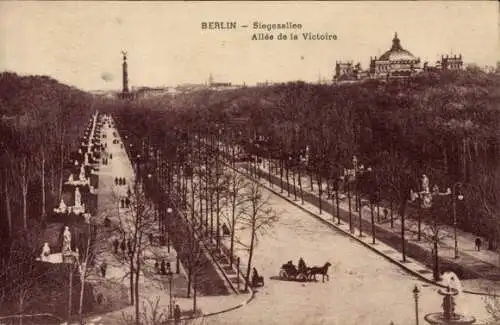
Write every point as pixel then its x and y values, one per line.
pixel 150 239
pixel 301 265
pixel 110 156
pixel 116 180
pixel 386 213
pixel 104 266
pixel 130 247
pixel 225 230
pixel 107 222
pixel 163 271
pixel 116 243
pixel 478 244
pixel 123 246
pixel 177 314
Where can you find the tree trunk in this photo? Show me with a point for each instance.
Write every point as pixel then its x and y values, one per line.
pixel 82 291
pixel 320 193
pixel 25 203
pixel 189 278
pixel 8 210
pixel 300 187
pixel 311 181
pixel 21 306
pixel 131 280
pixel 281 175
pixel 136 291
pixel 194 293
pixel 44 213
pixel 250 254
pixel 233 219
pixel 287 182
pixel 61 162
pixel 70 298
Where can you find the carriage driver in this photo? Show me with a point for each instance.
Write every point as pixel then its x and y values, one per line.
pixel 301 266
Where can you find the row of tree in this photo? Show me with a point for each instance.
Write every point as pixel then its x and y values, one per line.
pixel 41 121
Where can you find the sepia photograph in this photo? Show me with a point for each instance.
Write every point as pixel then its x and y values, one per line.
pixel 249 162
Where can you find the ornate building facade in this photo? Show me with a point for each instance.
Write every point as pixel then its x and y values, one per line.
pixel 394 63
pixel 347 71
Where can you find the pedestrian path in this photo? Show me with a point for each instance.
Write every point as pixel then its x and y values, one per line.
pixel 153 286
pixel 479 266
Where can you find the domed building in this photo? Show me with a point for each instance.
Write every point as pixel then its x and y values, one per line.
pixel 395 63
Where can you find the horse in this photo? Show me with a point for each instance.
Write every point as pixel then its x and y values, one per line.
pixel 323 270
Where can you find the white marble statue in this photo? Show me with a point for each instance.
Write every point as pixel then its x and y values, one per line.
pixel 45 252
pixel 66 240
pixel 425 184
pixel 78 197
pixel 71 178
pixel 62 206
pixel 82 173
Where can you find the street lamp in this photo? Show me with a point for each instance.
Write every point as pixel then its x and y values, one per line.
pixel 169 211
pixel 170 276
pixel 416 292
pixel 454 198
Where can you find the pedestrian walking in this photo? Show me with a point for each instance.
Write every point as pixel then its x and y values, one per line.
pixel 123 246
pixel 104 266
pixel 130 248
pixel 163 271
pixel 177 314
pixel 478 244
pixel 116 243
pixel 386 213
pixel 107 222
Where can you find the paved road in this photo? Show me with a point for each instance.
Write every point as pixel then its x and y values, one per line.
pixel 364 288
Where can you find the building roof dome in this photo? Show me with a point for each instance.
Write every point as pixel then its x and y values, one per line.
pixel 397 52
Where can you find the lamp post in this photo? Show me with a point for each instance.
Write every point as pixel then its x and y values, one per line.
pixel 169 212
pixel 359 172
pixel 170 276
pixel 416 292
pixel 426 198
pixel 454 198
pixel 293 178
pixel 337 199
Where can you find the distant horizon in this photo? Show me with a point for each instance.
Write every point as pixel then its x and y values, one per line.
pixel 80 43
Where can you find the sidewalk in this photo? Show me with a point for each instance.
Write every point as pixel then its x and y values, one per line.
pixel 471 264
pixel 153 286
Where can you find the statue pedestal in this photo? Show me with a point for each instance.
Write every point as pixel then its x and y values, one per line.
pixel 69 257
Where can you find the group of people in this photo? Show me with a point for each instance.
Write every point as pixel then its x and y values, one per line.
pixel 163 268
pixel 120 181
pixel 301 265
pixel 123 245
pixel 124 202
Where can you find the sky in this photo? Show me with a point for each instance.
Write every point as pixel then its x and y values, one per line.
pixel 80 43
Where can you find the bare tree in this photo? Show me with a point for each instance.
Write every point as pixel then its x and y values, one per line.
pixel 136 224
pixel 492 305
pixel 235 200
pixel 257 217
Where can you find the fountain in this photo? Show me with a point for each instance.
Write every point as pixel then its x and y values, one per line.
pixel 449 316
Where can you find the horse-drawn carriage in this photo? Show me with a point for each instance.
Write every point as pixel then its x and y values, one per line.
pixel 288 271
pixel 303 273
